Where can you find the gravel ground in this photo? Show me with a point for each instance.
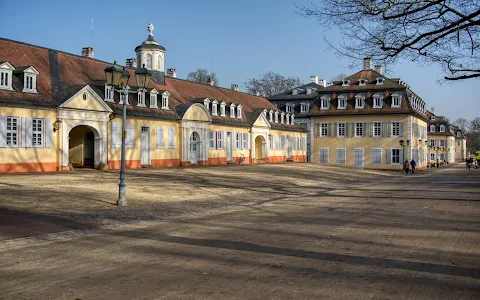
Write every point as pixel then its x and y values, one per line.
pixel 263 232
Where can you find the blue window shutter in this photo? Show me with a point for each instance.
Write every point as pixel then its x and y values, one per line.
pixel 48 132
pixel 159 134
pixel 401 128
pixel 3 131
pixel 389 156
pixel 248 141
pixel 27 132
pixel 401 156
pixel 130 140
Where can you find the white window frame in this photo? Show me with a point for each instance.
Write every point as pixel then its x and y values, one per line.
pixel 359 100
pixel 342 100
pixel 244 140
pixel 211 139
pixel 396 99
pixel 324 102
pixel 362 81
pixel 270 142
pixel 153 100
pixel 357 129
pixel 219 135
pixel 432 128
pixel 287 118
pixel 239 111
pixel 432 143
pixel 374 155
pixel 109 93
pixel 232 110
pixel 206 103
pixel 322 157
pixel 289 107
pixel 339 160
pixel 442 128
pixel 395 126
pixel 323 129
pixel 282 118
pixel 165 98
pixel 30 83
pixel 6 72
pixel 380 80
pixel 12 132
pixel 441 143
pixel 237 141
pixel 141 98
pixel 375 128
pixel 344 129
pixel 214 108
pixel 271 116
pixel 303 107
pixel 38 134
pixel 222 109
pixel 276 117
pixel 379 100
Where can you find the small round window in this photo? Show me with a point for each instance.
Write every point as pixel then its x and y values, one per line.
pixel 362 81
pixel 85 96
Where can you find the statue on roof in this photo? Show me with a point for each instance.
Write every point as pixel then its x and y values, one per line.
pixel 150 29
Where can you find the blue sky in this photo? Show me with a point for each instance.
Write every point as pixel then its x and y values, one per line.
pixel 238 39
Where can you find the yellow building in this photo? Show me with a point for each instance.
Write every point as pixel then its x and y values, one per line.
pixel 56 112
pixel 445 141
pixel 364 121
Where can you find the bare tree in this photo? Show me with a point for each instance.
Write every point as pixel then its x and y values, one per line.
pixel 462 124
pixel 202 76
pixel 339 77
pixel 271 83
pixel 442 32
pixel 475 125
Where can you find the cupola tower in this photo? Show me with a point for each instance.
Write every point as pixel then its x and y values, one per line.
pixel 150 53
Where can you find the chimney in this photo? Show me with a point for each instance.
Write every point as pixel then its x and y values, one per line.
pixel 172 72
pixel 379 69
pixel 432 110
pixel 322 82
pixel 314 79
pixel 131 63
pixel 235 87
pixel 87 52
pixel 367 63
pixel 210 81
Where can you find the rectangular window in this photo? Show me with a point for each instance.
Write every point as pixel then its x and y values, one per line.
pixel 270 141
pixel 395 128
pixel 341 129
pixel 282 142
pixel 324 129
pixel 342 103
pixel 4 79
pixel 237 141
pixel 432 156
pixel 219 140
pixel 396 102
pixel 324 103
pixel 359 102
pixel 245 141
pixel 171 137
pixel 458 143
pixel 341 156
pixel 324 155
pixel 432 143
pixel 211 140
pixel 276 142
pixel 377 102
pixel 140 99
pixel 442 143
pixel 37 132
pixel 396 156
pixel 303 108
pixel 377 156
pixel 377 129
pixel 359 130
pixel 12 132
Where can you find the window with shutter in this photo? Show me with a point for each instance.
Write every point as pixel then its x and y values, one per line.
pixel 341 155
pixel 341 129
pixel 377 129
pixel 37 133
pixel 324 155
pixel 115 135
pixel 376 156
pixel 171 137
pixel 211 139
pixel 9 131
pixel 130 138
pixel 219 140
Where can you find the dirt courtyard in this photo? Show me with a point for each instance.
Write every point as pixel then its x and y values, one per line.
pixel 286 231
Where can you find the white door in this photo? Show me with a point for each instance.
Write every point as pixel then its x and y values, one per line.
pixel 289 147
pixel 194 148
pixel 145 146
pixel 358 158
pixel 228 146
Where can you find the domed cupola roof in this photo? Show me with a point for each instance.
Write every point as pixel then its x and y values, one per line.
pixel 150 43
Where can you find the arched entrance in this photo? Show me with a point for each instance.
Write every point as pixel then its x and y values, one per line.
pixel 259 144
pixel 194 147
pixel 83 147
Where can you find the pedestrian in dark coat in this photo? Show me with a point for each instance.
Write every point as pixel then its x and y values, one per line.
pixel 406 166
pixel 413 164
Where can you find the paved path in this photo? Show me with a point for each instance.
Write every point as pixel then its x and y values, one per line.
pixel 408 237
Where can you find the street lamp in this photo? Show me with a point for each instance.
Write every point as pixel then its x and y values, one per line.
pixel 117 77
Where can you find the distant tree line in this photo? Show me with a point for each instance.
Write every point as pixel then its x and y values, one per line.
pixel 471 129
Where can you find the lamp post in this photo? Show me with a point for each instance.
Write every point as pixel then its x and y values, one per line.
pixel 402 143
pixel 117 77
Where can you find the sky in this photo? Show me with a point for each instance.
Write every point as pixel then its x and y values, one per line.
pixel 239 40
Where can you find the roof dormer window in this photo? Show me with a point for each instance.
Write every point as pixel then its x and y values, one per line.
pixel 432 128
pixel 214 108
pixel 346 82
pixel 289 107
pixel 292 118
pixel 380 80
pixel 377 101
pixel 359 102
pixel 287 118
pixel 303 107
pixel 433 118
pixel 342 102
pixel 363 81
pixel 206 103
pixel 109 93
pixel 295 92
pixel 395 100
pixel 324 102
pixel 165 97
pixel 276 117
pixel 311 90
pixel 282 118
pixel 442 128
pixel 153 98
pixel 222 109
pixel 239 111
pixel 232 110
pixel 141 98
pixel 6 70
pixel 270 119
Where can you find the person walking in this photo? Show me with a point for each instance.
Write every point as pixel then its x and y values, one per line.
pixel 468 163
pixel 406 166
pixel 438 162
pixel 413 164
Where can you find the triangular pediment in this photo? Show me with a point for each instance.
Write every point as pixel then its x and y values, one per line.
pixel 261 121
pixel 86 99
pixel 6 66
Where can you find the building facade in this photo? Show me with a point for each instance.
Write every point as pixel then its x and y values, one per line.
pixel 445 141
pixel 56 112
pixel 367 121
